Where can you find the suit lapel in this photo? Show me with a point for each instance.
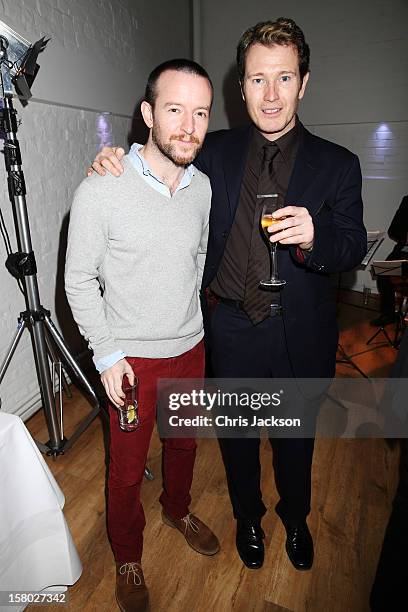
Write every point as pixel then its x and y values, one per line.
pixel 304 173
pixel 234 160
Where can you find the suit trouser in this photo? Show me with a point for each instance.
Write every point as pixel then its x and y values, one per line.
pixel 128 454
pixel 241 350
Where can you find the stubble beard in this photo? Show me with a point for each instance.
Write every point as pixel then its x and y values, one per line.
pixel 168 150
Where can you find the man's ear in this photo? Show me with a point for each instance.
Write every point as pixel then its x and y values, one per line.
pixel 147 113
pixel 304 83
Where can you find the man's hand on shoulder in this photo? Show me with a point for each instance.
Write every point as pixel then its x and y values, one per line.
pixel 108 159
pixel 112 380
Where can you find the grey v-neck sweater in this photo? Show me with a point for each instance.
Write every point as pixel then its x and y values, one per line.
pixel 147 253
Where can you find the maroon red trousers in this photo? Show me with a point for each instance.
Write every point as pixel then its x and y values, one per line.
pixel 128 453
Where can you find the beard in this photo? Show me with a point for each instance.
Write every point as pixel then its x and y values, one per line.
pixel 168 149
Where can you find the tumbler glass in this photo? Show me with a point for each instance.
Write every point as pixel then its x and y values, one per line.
pixel 129 413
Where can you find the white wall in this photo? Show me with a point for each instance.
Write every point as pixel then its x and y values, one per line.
pixel 98 60
pixel 358 91
pixel 101 51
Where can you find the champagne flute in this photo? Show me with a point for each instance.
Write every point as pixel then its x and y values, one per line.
pixel 272 203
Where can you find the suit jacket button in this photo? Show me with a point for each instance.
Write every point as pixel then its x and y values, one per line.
pixel 224 234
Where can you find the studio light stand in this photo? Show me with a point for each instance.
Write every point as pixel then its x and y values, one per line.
pixel 18 67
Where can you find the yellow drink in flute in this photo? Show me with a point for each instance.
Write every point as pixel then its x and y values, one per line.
pixel 267 221
pixel 269 208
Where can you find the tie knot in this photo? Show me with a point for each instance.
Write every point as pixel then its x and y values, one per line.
pixel 270 150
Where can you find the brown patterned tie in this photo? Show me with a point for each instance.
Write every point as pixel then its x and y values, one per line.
pixel 257 301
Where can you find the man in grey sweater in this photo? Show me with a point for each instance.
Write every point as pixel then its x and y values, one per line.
pixel 143 239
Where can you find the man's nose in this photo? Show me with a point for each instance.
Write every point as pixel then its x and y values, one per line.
pixel 270 92
pixel 188 124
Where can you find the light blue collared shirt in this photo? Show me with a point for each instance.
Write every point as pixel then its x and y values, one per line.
pixel 143 168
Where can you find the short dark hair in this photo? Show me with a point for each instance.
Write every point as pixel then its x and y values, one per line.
pixel 282 31
pixel 180 65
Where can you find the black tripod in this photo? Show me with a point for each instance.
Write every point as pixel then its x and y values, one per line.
pixel 384 331
pixel 47 342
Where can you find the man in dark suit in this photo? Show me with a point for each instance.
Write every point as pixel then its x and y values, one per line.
pixel 291 333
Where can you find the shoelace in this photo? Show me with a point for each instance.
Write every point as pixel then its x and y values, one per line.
pixel 131 569
pixel 189 522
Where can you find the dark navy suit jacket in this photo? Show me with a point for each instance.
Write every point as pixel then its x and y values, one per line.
pixel 327 181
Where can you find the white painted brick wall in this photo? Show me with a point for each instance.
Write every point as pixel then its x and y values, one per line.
pixel 58 142
pixel 94 27
pixel 101 51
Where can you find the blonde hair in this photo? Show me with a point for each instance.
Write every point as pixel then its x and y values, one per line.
pixel 282 31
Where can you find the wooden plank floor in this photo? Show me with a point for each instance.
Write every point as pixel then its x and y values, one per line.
pixel 353 486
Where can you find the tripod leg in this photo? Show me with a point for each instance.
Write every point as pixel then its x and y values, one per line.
pixel 54 357
pixel 46 386
pixel 59 341
pixel 387 336
pixel 346 359
pixel 20 328
pixel 374 336
pixel 56 368
pixel 384 331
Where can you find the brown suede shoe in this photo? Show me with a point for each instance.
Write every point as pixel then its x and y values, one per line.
pixel 197 534
pixel 131 592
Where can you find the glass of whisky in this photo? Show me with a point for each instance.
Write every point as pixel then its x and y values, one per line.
pixel 129 413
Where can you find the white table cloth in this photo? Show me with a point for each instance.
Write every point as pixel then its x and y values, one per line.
pixel 36 547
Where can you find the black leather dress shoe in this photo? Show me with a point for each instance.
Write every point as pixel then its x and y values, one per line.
pixel 299 545
pixel 250 544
